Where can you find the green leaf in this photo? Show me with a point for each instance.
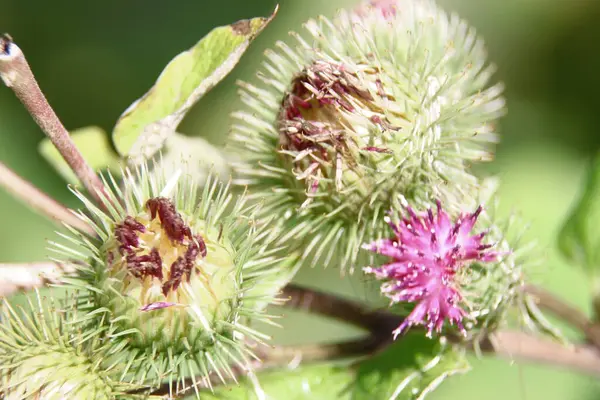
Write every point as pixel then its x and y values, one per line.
pixel 304 383
pixel 579 239
pixel 148 122
pixel 409 369
pixel 94 145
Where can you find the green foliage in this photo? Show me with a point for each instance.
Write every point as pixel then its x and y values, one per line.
pixel 409 369
pixel 149 121
pixel 145 126
pixel 93 143
pixel 579 239
pixel 311 382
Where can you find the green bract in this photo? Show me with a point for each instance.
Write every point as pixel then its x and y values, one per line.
pixel 490 289
pixel 375 108
pixel 176 270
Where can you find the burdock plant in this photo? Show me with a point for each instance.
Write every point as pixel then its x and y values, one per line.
pixel 174 269
pixel 390 100
pixel 354 150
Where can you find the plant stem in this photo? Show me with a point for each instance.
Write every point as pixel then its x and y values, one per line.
pixel 20 277
pixel 567 313
pixel 509 344
pixel 39 201
pixel 351 312
pixel 522 346
pixel 17 75
pixel 506 344
pixel 294 355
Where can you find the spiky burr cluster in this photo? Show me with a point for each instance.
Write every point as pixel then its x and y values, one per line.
pixel 384 103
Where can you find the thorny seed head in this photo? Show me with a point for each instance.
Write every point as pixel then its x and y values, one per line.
pixel 55 375
pixel 48 353
pixel 385 102
pixel 180 272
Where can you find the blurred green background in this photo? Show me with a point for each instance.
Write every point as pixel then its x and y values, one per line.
pixel 93 58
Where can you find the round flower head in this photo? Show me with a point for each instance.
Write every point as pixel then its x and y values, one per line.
pixel 177 272
pixel 390 99
pixel 450 271
pixel 45 354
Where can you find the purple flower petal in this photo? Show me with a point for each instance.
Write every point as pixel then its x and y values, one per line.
pixel 425 255
pixel 157 306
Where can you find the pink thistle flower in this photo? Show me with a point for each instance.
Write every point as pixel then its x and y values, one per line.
pixel 427 252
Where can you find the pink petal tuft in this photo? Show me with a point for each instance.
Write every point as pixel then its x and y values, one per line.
pixel 425 255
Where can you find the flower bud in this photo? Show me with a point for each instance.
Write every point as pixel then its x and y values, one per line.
pixel 385 102
pixel 175 270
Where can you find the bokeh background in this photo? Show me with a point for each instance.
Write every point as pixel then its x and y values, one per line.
pixel 93 58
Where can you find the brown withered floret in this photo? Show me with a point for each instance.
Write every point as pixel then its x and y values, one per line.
pixel 377 150
pixel 144 265
pixel 182 267
pixel 126 234
pixel 178 268
pixel 139 266
pixel 170 219
pixel 201 245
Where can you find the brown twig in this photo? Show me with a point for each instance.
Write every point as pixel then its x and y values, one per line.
pixel 39 201
pixel 522 346
pixel 508 344
pixel 567 313
pixel 319 352
pixel 348 311
pixel 19 277
pixel 17 75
